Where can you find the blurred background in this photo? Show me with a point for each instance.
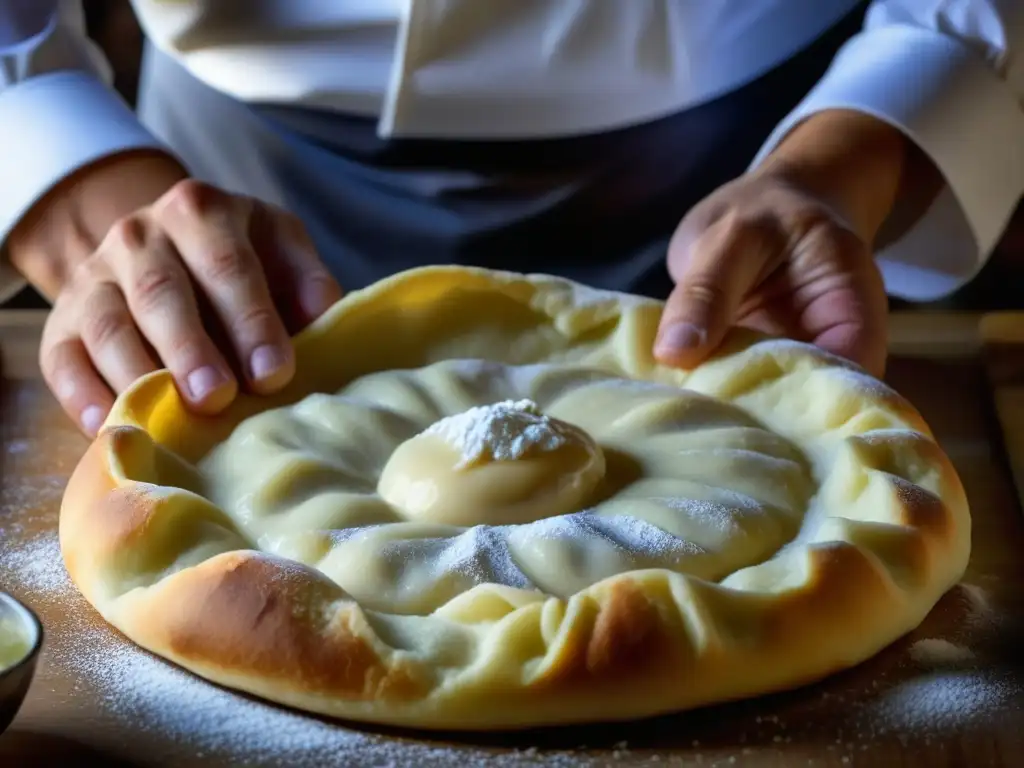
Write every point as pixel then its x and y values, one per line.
pixel 112 24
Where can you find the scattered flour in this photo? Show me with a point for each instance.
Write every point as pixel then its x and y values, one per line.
pixel 940 702
pixel 980 612
pixel 503 431
pixel 35 566
pixel 28 501
pixel 936 652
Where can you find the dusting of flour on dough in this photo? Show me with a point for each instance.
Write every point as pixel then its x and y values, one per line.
pixel 630 534
pixel 481 554
pixel 503 431
pixel 719 517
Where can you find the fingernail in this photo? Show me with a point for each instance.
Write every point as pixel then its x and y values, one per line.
pixel 92 419
pixel 267 361
pixel 680 337
pixel 204 381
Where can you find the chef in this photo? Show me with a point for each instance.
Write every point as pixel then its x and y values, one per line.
pixel 780 164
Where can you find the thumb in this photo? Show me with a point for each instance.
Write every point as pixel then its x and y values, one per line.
pixel 713 273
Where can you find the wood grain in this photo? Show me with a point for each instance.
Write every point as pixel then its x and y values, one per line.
pixel 903 708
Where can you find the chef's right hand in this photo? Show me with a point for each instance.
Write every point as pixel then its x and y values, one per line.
pixel 207 284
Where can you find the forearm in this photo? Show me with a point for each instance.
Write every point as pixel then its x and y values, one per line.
pixel 858 164
pixel 70 221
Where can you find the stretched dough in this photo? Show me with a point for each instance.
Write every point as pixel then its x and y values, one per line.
pixel 482 504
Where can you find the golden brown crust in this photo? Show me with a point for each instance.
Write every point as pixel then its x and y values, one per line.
pixel 171 571
pixel 237 613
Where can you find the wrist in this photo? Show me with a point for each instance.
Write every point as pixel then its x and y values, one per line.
pixel 69 222
pixel 852 161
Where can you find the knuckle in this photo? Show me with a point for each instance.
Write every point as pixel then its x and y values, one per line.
pixel 828 239
pixel 256 321
pixel 752 236
pixel 193 198
pixel 151 286
pixel 319 280
pixel 750 228
pixel 182 350
pixel 226 264
pixel 128 232
pixel 86 272
pixel 188 347
pixel 702 291
pixel 103 321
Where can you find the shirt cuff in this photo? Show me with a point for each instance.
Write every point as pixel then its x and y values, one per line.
pixel 50 126
pixel 947 100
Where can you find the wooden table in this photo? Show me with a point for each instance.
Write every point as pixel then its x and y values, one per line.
pixel 952 694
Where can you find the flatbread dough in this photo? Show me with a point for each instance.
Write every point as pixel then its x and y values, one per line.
pixel 483 505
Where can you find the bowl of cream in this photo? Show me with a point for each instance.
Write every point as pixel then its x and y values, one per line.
pixel 21 637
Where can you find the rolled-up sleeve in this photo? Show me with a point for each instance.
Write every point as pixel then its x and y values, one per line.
pixel 950 77
pixel 58 112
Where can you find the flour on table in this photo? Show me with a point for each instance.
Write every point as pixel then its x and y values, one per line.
pixel 938 701
pixel 934 651
pixel 36 565
pixel 981 614
pixel 503 431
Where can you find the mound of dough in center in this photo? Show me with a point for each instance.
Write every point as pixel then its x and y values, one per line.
pixel 498 463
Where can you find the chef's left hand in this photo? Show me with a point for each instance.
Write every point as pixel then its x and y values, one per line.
pixel 787 248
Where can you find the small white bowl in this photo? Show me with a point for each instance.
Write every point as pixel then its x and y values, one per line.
pixel 16 678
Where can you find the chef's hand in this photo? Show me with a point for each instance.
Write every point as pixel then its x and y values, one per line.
pixel 787 248
pixel 205 283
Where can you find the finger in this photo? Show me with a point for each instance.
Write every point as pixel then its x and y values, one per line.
pixel 845 312
pixel 300 285
pixel 70 375
pixel 112 339
pixel 210 231
pixel 768 323
pixel 160 297
pixel 851 321
pixel 857 343
pixel 712 279
pixel 846 332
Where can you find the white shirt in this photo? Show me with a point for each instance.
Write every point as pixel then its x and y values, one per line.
pixel 949 73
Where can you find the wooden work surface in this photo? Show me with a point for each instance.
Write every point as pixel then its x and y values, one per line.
pixel 923 702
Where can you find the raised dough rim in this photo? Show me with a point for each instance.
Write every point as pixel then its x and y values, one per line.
pixel 633 645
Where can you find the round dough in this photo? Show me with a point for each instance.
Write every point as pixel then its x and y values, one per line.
pixel 517 520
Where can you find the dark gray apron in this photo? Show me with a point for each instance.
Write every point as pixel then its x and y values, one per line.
pixel 599 208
